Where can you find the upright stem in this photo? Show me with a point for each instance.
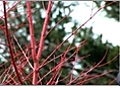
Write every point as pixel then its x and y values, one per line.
pixel 9 43
pixel 43 33
pixel 32 41
pixel 41 42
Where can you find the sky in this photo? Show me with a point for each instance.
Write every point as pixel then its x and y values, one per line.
pixel 109 28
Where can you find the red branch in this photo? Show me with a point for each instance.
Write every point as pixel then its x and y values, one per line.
pixel 35 74
pixel 32 41
pixel 43 33
pixel 9 44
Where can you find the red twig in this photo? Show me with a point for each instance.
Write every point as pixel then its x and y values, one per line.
pixel 9 44
pixel 23 52
pixel 96 76
pixel 13 6
pixel 58 22
pixel 109 61
pixel 112 81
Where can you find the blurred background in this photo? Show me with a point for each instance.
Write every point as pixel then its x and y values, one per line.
pixel 101 32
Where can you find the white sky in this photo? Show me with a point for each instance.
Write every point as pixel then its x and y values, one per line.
pixel 101 24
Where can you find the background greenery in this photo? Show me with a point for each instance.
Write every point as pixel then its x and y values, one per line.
pixel 95 47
